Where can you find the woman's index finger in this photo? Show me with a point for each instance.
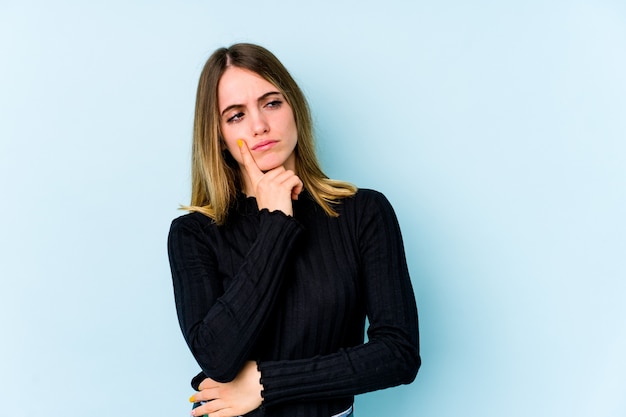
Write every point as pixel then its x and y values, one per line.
pixel 252 169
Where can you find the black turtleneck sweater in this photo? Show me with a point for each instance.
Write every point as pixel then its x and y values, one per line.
pixel 292 293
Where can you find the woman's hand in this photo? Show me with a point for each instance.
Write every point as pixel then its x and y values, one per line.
pixel 231 399
pixel 274 189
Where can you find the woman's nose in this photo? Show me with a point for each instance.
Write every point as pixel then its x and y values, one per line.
pixel 260 124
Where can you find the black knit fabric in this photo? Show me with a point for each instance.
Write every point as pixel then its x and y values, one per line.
pixel 292 293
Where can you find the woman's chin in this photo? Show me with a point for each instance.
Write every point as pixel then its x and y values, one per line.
pixel 270 165
pixel 271 161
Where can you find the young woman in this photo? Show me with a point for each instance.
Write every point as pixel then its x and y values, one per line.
pixel 276 267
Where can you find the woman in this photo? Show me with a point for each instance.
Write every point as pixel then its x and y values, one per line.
pixel 276 266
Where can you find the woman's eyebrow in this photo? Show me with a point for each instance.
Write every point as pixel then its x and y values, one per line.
pixel 263 97
pixel 266 95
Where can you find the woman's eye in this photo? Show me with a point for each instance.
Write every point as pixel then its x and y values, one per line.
pixel 235 118
pixel 274 104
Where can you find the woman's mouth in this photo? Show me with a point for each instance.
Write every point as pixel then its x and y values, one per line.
pixel 264 145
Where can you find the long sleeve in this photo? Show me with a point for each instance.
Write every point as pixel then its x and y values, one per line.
pixel 222 316
pixel 391 356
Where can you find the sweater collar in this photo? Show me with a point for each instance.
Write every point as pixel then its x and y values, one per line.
pixel 245 205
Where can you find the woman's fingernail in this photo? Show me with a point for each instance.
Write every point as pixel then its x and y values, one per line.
pixel 192 399
pixel 239 143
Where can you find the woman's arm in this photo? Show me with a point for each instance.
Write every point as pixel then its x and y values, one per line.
pixel 221 325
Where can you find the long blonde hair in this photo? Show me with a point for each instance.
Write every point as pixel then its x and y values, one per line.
pixel 216 176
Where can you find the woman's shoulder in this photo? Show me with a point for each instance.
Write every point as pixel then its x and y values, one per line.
pixel 191 221
pixel 368 193
pixel 364 204
pixel 367 197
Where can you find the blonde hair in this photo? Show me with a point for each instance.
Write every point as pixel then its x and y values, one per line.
pixel 216 176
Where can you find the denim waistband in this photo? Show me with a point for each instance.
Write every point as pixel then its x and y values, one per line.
pixel 347 413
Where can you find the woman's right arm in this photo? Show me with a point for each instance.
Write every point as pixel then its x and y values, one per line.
pixel 221 325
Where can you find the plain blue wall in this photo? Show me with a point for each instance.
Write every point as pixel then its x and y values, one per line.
pixel 497 130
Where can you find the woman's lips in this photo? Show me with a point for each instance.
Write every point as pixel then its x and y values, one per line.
pixel 264 145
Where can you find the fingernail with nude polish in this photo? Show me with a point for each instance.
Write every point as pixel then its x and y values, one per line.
pixel 239 143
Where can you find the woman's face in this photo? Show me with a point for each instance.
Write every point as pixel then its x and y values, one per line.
pixel 252 109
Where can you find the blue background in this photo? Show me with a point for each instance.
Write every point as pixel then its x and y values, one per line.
pixel 496 128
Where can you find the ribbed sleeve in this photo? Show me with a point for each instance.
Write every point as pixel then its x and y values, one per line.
pixel 221 324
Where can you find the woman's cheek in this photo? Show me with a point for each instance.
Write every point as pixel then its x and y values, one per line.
pixel 234 151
